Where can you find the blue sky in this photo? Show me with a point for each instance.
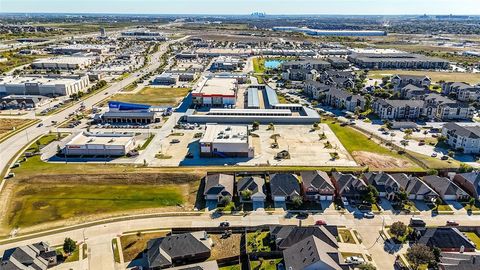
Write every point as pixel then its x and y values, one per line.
pixel 245 6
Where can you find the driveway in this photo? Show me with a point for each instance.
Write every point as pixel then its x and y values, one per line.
pixel 258 205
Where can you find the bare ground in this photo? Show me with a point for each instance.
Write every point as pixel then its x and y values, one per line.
pixel 378 161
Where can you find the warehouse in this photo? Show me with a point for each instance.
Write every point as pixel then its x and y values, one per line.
pixel 100 144
pixel 52 85
pixel 215 92
pixel 82 48
pixel 226 141
pixel 63 63
pixel 337 33
pixel 144 35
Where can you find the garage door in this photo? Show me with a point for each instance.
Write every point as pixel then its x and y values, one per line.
pixel 330 198
pixel 323 198
pixel 279 199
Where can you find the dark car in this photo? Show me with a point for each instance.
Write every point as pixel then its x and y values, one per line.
pixel 224 224
pixel 417 222
pixel 302 215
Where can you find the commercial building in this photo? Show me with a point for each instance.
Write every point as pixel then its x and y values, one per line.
pixel 466 138
pixel 215 92
pixel 82 48
pixel 396 60
pixel 144 35
pixel 51 85
pixel 100 144
pixel 226 141
pixel 131 113
pixel 63 62
pixel 227 63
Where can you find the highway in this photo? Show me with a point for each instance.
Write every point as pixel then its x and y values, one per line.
pixel 10 147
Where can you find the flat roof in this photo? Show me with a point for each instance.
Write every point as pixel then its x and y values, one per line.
pixel 79 60
pixel 250 112
pixel 85 138
pixel 217 87
pixel 252 96
pixel 225 134
pixel 11 80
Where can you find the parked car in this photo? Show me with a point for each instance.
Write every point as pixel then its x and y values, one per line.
pixel 302 215
pixel 444 158
pixel 452 223
pixel 433 155
pixel 10 175
pixel 224 224
pixel 354 260
pixel 417 222
pixel 175 141
pixel 40 125
pixel 368 215
pixel 320 222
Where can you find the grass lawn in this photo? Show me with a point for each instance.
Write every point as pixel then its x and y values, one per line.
pixel 258 242
pixel 258 65
pixel 8 124
pixel 44 141
pixel 444 207
pixel 134 244
pixel 35 204
pixel 265 264
pixel 74 256
pixel 474 238
pixel 85 251
pixel 436 76
pixel 155 96
pixel 116 252
pixel 147 142
pixel 224 248
pixel 435 163
pixel 347 236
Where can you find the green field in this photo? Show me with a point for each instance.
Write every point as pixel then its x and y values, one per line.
pixel 15 60
pixel 258 65
pixel 155 96
pixel 265 264
pixel 472 78
pixel 35 204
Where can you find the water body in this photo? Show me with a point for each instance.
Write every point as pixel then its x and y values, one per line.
pixel 271 64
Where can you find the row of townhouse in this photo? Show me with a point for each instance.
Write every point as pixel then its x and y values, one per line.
pixel 460 186
pixel 462 137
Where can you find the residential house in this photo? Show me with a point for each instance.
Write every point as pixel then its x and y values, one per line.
pixel 308 64
pixel 348 186
pixel 398 109
pixel 218 186
pixel 338 62
pixel 317 186
pixel 38 256
pixel 385 184
pixel 461 91
pixel 415 188
pixel 313 253
pixel 177 249
pixel 255 186
pixel 470 182
pixel 284 186
pixel 208 265
pixel 285 236
pixel 400 81
pixel 446 189
pixel 447 239
pixel 344 100
pixel 465 138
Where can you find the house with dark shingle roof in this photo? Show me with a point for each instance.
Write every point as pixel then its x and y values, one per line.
pixel 415 188
pixel 317 186
pixel 218 186
pixel 348 186
pixel 284 236
pixel 38 256
pixel 178 249
pixel 470 182
pixel 447 189
pixel 255 184
pixel 398 108
pixel 342 99
pixel 445 238
pixel 385 184
pixel 284 186
pixel 313 253
pixel 399 81
pixel 462 91
pixel 459 261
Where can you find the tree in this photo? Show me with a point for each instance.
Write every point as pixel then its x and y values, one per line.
pixel 225 200
pixel 297 201
pixel 408 132
pixel 398 229
pixel 419 254
pixel 246 194
pixel 432 172
pixel 69 245
pixel 366 266
pixel 371 194
pixel 464 168
pixel 255 125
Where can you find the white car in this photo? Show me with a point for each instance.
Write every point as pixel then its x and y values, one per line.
pixel 354 260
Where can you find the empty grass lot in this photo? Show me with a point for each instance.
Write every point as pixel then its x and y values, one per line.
pixel 436 76
pixel 8 124
pixel 155 96
pixel 35 204
pixel 134 244
pixel 265 264
pixel 258 65
pixel 356 142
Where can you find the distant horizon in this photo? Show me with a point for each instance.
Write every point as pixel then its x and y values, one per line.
pixel 244 7
pixel 238 14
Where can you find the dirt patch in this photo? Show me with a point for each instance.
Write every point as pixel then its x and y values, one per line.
pixel 225 248
pixel 134 244
pixel 7 125
pixel 378 161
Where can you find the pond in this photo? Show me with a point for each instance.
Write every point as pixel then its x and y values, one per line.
pixel 271 64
